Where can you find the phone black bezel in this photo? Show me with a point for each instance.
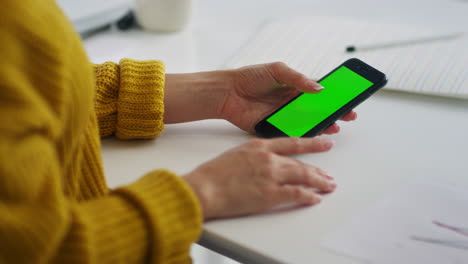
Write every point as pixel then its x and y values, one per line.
pixel 267 130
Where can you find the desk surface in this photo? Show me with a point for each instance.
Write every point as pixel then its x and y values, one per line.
pixel 397 136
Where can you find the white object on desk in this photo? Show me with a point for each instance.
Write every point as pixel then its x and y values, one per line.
pixel 316 45
pixel 163 15
pixel 412 225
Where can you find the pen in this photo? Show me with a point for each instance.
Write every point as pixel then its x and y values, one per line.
pixel 353 48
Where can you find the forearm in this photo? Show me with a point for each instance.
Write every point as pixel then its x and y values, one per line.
pixel 195 96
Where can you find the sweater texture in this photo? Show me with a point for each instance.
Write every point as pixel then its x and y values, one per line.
pixel 55 105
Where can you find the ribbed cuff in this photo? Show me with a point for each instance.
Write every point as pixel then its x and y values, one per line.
pixel 107 85
pixel 106 230
pixel 174 217
pixel 140 105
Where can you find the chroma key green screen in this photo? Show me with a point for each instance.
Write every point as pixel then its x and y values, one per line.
pixel 308 110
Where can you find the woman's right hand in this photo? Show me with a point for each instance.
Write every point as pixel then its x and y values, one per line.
pixel 259 175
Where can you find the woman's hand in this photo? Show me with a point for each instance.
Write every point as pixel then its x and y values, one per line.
pixel 259 89
pixel 242 96
pixel 259 175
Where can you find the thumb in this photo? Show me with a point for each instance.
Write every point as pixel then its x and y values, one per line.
pixel 282 73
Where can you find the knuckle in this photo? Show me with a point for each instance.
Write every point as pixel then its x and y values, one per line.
pixel 268 197
pixel 321 183
pixel 314 173
pixel 267 172
pixel 296 193
pixel 313 177
pixel 244 153
pixel 278 66
pixel 269 192
pixel 296 144
pixel 266 157
pixel 306 175
pixel 256 143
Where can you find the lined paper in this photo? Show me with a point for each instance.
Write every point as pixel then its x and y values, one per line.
pixel 316 45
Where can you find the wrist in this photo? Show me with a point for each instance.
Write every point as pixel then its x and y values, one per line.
pixel 195 96
pixel 202 192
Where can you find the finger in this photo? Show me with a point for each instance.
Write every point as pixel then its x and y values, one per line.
pixel 295 145
pixel 295 194
pixel 350 116
pixel 294 172
pixel 333 129
pixel 284 74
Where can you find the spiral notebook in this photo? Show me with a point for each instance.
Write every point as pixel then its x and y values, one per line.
pixel 316 45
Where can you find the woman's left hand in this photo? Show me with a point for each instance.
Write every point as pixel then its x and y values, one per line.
pixel 260 89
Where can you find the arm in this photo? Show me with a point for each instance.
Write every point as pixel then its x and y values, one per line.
pixel 195 96
pixel 241 96
pixel 154 220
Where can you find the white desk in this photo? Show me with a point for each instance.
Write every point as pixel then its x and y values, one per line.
pixel 397 136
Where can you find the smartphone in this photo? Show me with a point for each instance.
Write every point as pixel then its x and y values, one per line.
pixel 308 114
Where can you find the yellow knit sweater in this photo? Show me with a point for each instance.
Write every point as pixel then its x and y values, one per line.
pixel 54 203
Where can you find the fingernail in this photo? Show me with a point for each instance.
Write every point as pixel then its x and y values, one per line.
pixel 329 177
pixel 333 184
pixel 318 88
pixel 315 86
pixel 328 143
pixel 318 199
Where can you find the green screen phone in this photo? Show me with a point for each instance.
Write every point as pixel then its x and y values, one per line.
pixel 309 114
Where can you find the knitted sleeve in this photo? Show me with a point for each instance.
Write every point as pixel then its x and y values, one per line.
pixel 129 98
pixel 154 220
pixel 45 102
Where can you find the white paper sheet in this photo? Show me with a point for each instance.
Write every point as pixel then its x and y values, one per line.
pixel 316 45
pixel 415 224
